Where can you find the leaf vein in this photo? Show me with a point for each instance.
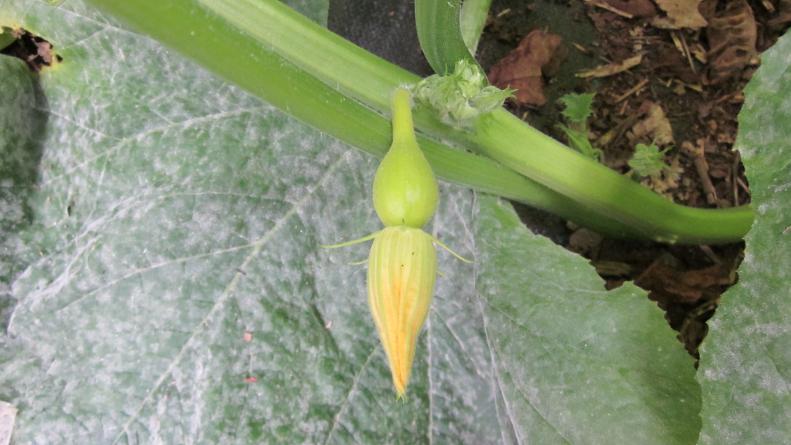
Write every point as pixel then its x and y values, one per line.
pixel 496 381
pixel 121 142
pixel 345 403
pixel 225 295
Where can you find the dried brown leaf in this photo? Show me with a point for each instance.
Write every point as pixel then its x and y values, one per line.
pixel 732 35
pixel 782 15
pixel 584 241
pixel 669 277
pixel 524 68
pixel 679 14
pixel 627 8
pixel 612 68
pixel 667 181
pixel 654 127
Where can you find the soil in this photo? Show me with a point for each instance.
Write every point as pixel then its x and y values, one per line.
pixel 688 80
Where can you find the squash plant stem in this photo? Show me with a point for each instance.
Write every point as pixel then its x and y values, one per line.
pixel 306 70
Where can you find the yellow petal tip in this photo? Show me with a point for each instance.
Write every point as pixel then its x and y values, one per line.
pixel 402 269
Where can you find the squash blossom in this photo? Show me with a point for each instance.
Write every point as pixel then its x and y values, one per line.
pixel 402 268
pixel 402 264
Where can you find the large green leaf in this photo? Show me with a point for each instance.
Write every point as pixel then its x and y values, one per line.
pixel 172 213
pixel 577 364
pixel 745 367
pixel 21 124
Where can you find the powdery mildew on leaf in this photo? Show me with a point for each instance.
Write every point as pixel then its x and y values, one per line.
pixel 7 420
pixel 174 213
pixel 577 364
pixel 745 369
pixel 21 122
pixel 178 294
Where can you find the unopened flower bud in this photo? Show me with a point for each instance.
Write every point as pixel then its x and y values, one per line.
pixel 402 269
pixel 402 265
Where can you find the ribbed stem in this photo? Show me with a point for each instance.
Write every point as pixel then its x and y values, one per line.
pixel 472 21
pixel 436 20
pixel 403 128
pixel 268 49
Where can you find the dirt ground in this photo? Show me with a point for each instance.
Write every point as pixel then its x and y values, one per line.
pixel 663 72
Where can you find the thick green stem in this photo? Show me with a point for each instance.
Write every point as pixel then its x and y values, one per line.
pixel 369 79
pixel 436 22
pixel 505 138
pixel 472 21
pixel 221 47
pixel 266 26
pixel 403 127
pixel 561 169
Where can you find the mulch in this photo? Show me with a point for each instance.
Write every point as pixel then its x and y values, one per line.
pixel 664 72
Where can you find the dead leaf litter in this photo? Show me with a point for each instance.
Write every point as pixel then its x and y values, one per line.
pixel 672 76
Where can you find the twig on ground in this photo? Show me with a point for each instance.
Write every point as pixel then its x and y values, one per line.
pixel 702 167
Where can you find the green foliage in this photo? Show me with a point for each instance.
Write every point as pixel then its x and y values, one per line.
pixel 462 96
pixel 21 125
pixel 578 107
pixel 334 85
pixel 6 37
pixel 162 235
pixel 473 18
pixel 578 140
pixel 623 367
pixel 168 286
pixel 439 33
pixel 648 161
pixel 745 369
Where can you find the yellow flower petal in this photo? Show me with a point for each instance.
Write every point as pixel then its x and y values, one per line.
pixel 402 269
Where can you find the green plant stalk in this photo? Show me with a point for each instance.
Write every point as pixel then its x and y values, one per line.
pixel 437 21
pixel 472 21
pixel 369 79
pixel 517 145
pixel 246 62
pixel 346 67
pixel 561 168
